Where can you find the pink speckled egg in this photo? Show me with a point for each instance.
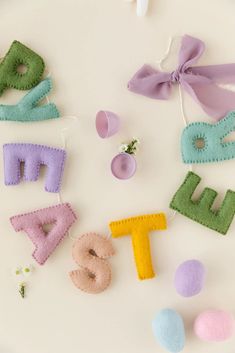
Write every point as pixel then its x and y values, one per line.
pixel 214 325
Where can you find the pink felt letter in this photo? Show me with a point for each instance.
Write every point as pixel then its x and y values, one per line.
pixel 61 216
pixel 90 252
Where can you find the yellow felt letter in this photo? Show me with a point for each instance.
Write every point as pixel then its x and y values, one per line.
pixel 139 228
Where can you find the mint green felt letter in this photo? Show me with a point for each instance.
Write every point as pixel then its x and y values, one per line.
pixel 18 55
pixel 200 210
pixel 28 108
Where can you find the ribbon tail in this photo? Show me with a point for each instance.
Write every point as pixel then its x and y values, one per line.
pixel 224 73
pixel 217 102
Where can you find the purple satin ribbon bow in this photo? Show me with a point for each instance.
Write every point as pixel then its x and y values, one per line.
pixel 201 82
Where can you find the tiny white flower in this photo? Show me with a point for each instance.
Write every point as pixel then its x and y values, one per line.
pixel 137 140
pixel 22 284
pixel 17 271
pixel 123 148
pixel 27 270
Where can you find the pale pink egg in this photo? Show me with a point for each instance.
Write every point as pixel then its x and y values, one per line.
pixel 214 325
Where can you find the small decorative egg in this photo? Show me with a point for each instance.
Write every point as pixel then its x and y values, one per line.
pixel 123 166
pixel 214 325
pixel 189 278
pixel 168 329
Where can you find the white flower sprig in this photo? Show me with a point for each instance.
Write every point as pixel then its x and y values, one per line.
pixel 131 147
pixel 20 272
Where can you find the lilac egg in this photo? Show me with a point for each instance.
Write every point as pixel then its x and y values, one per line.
pixel 123 166
pixel 189 278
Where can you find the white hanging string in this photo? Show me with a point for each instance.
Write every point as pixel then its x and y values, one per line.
pixel 72 237
pixel 59 198
pixel 172 217
pixel 183 115
pixel 67 128
pixel 181 99
pixel 48 73
pixel 165 56
pixel 64 145
pixel 182 110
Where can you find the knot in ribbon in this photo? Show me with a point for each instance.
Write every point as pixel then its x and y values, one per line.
pixel 175 76
pixel 200 82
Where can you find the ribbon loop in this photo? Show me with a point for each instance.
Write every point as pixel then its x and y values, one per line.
pixel 200 82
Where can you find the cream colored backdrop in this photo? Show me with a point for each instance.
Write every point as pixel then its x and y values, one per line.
pixel 92 48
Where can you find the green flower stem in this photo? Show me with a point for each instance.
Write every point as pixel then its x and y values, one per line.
pixel 131 147
pixel 22 290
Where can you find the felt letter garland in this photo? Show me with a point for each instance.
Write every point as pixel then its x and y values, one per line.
pixel 62 216
pixel 17 55
pixel 33 156
pixel 200 210
pixel 90 252
pixel 28 109
pixel 139 228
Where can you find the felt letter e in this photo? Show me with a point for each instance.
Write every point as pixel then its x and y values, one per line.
pixel 139 228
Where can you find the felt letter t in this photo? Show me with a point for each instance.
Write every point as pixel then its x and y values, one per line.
pixel 139 228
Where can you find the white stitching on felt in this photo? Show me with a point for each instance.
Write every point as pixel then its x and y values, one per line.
pixel 39 164
pixel 54 221
pixel 190 161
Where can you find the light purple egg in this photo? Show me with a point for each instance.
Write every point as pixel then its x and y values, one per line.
pixel 190 278
pixel 123 166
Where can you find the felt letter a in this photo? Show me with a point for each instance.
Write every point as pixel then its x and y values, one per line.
pixel 139 228
pixel 90 252
pixel 60 216
pixel 17 55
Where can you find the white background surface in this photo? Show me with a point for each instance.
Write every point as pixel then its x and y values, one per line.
pixel 92 48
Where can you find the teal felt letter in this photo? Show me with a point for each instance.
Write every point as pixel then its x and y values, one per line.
pixel 28 109
pixel 202 142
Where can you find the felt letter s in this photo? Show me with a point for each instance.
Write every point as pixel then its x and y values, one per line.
pixel 90 252
pixel 17 55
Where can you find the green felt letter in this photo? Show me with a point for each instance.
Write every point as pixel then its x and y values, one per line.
pixel 18 55
pixel 200 210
